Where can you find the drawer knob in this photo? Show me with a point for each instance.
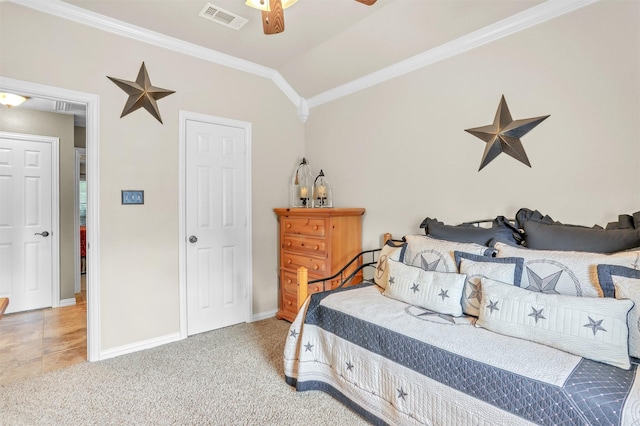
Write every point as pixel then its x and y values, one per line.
pixel 288 225
pixel 289 281
pixel 288 243
pixel 315 227
pixel 289 302
pixel 288 261
pixel 316 267
pixel 316 247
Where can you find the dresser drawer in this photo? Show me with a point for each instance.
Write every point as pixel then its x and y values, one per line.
pixel 303 226
pixel 293 261
pixel 290 301
pixel 289 305
pixel 314 246
pixel 289 283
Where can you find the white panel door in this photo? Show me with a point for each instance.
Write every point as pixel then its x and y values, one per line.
pixel 215 226
pixel 25 223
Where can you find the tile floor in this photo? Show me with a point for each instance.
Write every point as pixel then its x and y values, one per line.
pixel 43 340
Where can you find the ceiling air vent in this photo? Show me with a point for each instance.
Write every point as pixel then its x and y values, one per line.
pixel 62 106
pixel 223 17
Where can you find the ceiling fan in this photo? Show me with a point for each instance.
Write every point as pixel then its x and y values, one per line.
pixel 273 13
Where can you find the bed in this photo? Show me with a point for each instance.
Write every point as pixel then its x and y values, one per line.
pixel 493 338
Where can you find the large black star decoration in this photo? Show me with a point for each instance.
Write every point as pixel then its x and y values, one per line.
pixel 141 93
pixel 504 135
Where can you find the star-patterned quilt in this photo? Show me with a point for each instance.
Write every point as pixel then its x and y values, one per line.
pixel 399 364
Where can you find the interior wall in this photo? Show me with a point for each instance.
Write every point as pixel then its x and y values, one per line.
pixel 139 244
pixel 80 137
pixel 399 149
pixel 42 123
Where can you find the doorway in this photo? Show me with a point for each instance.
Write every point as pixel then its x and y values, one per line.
pixel 80 219
pixel 215 222
pixel 91 103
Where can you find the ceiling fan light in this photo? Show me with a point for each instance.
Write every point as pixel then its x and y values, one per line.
pixel 264 4
pixel 259 4
pixel 11 99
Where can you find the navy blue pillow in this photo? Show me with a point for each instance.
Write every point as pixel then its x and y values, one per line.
pixel 524 215
pixel 554 236
pixel 501 230
pixel 543 233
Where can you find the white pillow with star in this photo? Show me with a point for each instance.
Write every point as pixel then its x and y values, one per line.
pixel 593 328
pixel 507 270
pixel 433 254
pixel 391 250
pixel 629 288
pixel 566 272
pixel 437 291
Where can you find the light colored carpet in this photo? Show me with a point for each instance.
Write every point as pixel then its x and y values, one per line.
pixel 231 376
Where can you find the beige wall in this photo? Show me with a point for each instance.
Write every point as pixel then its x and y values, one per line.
pixel 42 123
pixel 80 137
pixel 139 244
pixel 400 150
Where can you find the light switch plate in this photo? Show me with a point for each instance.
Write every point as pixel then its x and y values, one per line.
pixel 132 197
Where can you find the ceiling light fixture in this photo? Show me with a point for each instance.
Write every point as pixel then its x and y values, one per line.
pixel 273 19
pixel 265 5
pixel 273 12
pixel 11 99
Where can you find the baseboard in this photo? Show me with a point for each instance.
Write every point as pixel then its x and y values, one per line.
pixel 67 302
pixel 139 346
pixel 263 315
pixel 163 340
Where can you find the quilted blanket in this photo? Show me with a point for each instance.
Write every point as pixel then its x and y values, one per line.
pixel 398 364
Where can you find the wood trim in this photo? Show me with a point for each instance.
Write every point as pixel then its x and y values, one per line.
pixel 4 302
pixel 303 279
pixel 300 211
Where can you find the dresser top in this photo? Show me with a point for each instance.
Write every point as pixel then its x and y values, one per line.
pixel 318 212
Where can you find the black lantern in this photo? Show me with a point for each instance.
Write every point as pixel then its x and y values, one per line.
pixel 301 185
pixel 322 196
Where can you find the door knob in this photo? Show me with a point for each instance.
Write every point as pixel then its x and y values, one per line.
pixel 193 239
pixel 44 233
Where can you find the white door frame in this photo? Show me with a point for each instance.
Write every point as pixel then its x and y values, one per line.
pixel 55 206
pixel 182 203
pixel 92 103
pixel 78 152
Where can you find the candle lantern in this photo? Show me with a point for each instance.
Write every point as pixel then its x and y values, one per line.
pixel 322 196
pixel 301 186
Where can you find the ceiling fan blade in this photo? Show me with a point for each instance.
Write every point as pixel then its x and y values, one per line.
pixel 273 20
pixel 367 2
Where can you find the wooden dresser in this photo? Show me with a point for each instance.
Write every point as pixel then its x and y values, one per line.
pixel 322 240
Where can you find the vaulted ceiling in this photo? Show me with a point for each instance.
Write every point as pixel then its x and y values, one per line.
pixel 326 43
pixel 329 47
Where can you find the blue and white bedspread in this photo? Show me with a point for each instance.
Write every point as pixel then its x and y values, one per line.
pixel 398 364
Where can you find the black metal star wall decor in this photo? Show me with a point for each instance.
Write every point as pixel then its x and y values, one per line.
pixel 504 135
pixel 142 94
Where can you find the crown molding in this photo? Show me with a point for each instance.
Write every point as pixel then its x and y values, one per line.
pixel 513 24
pixel 86 17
